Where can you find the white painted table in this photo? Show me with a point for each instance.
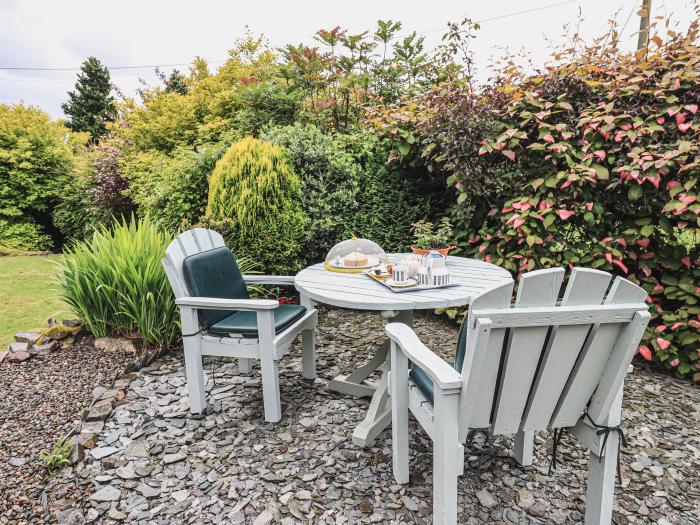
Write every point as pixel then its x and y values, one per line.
pixel 359 292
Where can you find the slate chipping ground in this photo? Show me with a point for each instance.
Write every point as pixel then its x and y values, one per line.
pixel 155 463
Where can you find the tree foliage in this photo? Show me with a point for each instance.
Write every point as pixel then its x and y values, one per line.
pixel 594 162
pixel 37 158
pixel 91 106
pixel 255 196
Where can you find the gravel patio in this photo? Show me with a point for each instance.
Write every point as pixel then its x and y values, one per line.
pixel 155 463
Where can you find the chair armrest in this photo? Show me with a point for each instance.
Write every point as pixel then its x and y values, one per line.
pixel 214 303
pixel 442 374
pixel 269 279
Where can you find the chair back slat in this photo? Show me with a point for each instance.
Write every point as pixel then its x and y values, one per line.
pixel 585 287
pixel 480 369
pixel 616 368
pixel 558 360
pixel 593 358
pixel 188 243
pixel 523 349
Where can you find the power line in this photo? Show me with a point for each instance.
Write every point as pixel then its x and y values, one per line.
pixel 533 10
pixel 112 68
pixel 153 66
pixel 35 81
pixel 508 15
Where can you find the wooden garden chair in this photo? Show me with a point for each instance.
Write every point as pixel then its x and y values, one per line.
pixel 531 367
pixel 220 319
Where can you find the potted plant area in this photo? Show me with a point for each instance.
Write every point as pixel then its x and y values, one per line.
pixel 432 238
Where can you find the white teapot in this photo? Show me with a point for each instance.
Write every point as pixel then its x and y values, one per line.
pixel 433 271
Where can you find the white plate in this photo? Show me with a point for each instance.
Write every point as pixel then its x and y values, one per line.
pixel 409 282
pixel 371 263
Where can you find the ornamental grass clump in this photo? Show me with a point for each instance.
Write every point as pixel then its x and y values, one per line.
pixel 116 284
pixel 255 200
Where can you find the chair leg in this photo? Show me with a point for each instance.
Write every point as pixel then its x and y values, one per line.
pixel 600 494
pixel 245 366
pixel 308 354
pixel 268 366
pixel 524 443
pixel 271 389
pixel 446 463
pixel 195 375
pixel 399 413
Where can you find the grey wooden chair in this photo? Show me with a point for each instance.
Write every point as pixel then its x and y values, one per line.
pixel 531 367
pixel 220 319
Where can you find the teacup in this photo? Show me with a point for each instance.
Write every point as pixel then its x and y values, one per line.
pixel 401 273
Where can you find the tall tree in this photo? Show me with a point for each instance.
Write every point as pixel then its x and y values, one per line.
pixel 90 106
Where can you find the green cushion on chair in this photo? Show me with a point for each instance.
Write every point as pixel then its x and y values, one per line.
pixel 214 273
pixel 421 379
pixel 245 323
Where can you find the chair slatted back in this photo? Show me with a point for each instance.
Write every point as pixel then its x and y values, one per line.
pixel 188 243
pixel 551 361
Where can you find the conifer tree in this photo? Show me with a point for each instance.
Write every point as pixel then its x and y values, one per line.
pixel 90 106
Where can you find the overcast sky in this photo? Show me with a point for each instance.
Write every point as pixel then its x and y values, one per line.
pixel 61 34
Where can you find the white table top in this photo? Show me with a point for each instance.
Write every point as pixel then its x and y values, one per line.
pixel 357 291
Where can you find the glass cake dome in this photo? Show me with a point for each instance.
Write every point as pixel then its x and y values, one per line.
pixel 354 255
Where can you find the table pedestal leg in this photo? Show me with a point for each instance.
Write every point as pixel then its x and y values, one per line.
pixel 355 383
pixel 379 413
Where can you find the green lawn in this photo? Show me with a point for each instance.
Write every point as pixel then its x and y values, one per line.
pixel 27 294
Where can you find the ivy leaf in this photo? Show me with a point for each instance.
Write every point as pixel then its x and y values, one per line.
pixel 510 154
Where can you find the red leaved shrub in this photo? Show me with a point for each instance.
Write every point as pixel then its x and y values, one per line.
pixel 594 163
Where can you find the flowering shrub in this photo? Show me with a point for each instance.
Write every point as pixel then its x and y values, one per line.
pixel 600 160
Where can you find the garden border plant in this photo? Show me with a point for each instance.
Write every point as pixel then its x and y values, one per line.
pixel 593 162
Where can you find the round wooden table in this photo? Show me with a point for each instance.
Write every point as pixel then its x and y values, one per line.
pixel 358 292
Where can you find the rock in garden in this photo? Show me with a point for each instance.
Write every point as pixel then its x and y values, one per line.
pixel 77 453
pixel 70 517
pixel 137 449
pixel 3 355
pixel 485 498
pixel 17 461
pixel 18 347
pixel 525 498
pixel 108 493
pixel 45 347
pixel 173 458
pixel 264 518
pixel 115 344
pixel 180 495
pixel 103 452
pixel 18 357
pixel 147 491
pixel 99 412
pixel 27 337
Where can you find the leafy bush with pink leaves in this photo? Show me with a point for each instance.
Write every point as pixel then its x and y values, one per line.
pixel 595 163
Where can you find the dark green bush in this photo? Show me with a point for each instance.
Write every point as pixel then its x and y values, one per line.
pixel 391 197
pixel 172 189
pixel 330 180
